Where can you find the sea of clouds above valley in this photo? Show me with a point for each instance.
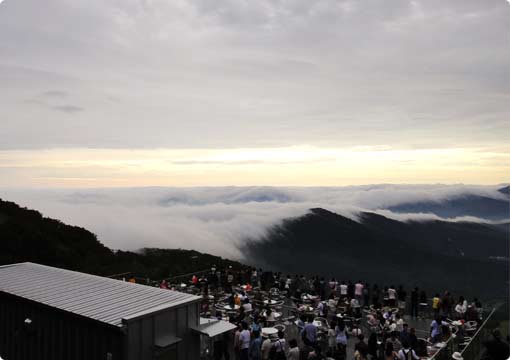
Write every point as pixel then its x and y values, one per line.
pixel 218 220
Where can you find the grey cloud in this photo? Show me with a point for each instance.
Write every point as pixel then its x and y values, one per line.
pixel 55 93
pixel 329 72
pixel 70 109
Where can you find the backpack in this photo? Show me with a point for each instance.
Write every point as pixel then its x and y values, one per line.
pixel 408 355
pixel 274 355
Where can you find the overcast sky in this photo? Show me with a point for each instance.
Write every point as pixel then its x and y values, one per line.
pixel 238 92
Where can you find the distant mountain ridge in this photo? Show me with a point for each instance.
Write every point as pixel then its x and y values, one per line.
pixel 432 254
pixel 479 206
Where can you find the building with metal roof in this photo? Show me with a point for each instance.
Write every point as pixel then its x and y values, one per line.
pixel 52 313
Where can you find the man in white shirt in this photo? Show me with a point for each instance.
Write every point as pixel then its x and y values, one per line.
pixel 244 341
pixel 266 348
pixel 392 296
pixel 343 289
pixel 406 353
pixel 358 290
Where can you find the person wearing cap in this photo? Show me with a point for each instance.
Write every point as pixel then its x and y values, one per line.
pixel 457 356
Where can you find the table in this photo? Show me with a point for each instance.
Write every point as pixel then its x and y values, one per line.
pixel 275 314
pixel 228 307
pixel 308 297
pixel 269 331
pixel 270 302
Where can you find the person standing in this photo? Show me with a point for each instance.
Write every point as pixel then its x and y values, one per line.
pixel 358 291
pixel 294 350
pixel 376 294
pixel 237 344
pixel 244 342
pixel 361 347
pixel 366 295
pixel 310 333
pixel 341 339
pixel 279 347
pixel 401 296
pixel 266 348
pixel 256 346
pixel 350 290
pixel 414 302
pixel 332 336
pixel 406 353
pixel 436 305
pixel 392 296
pixel 343 290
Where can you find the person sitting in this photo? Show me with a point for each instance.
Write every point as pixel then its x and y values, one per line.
pixel 270 316
pixel 247 306
pixel 372 321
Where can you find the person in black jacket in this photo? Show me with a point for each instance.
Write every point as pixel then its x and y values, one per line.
pixel 361 346
pixel 350 290
pixel 414 302
pixel 496 348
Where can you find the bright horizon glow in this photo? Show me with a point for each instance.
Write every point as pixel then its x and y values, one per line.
pixel 286 166
pixel 281 93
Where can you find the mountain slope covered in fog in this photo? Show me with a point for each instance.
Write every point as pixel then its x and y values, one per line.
pixel 434 254
pixel 25 235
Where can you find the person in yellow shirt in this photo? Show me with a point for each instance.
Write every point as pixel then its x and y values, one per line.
pixel 436 304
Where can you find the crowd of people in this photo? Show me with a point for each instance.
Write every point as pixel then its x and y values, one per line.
pixel 326 314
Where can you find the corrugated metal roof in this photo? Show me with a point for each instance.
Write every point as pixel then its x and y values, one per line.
pixel 99 298
pixel 213 327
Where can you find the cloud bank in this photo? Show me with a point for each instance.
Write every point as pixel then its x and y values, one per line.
pixel 218 219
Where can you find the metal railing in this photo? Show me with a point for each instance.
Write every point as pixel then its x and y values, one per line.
pixel 470 348
pixel 474 348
